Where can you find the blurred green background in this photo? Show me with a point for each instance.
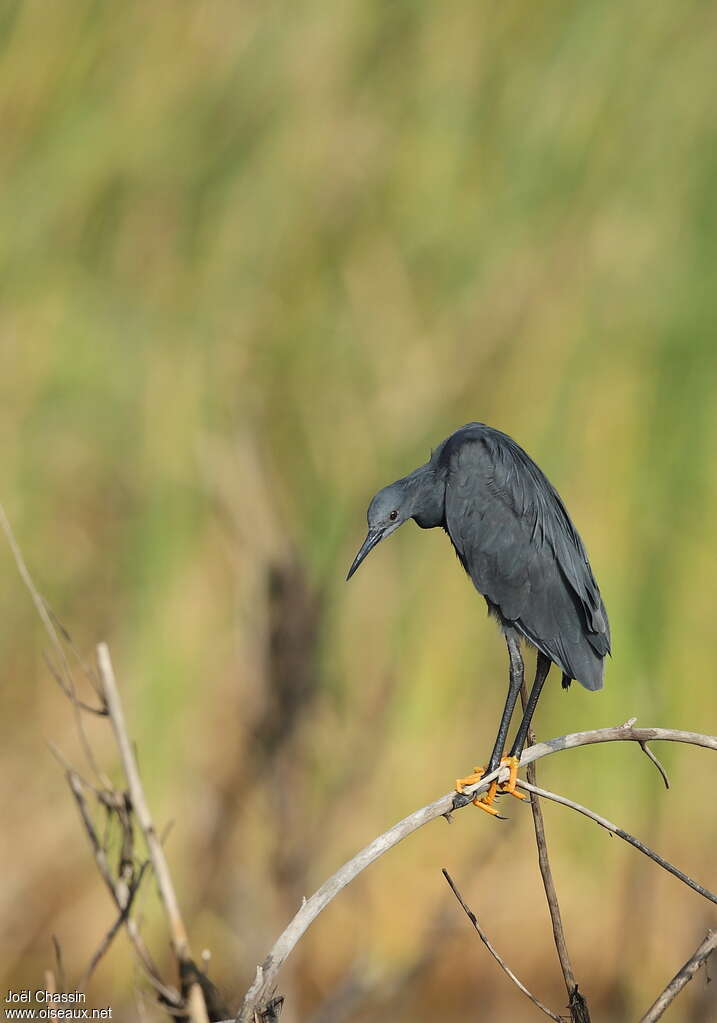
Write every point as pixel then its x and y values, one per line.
pixel 256 259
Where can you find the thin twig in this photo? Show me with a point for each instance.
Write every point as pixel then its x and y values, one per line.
pixel 626 836
pixel 51 988
pixel 180 943
pixel 651 756
pixel 59 971
pixel 179 938
pixel 501 962
pixel 119 920
pixel 579 1011
pixel 57 675
pixel 681 978
pixel 88 671
pixel 76 784
pixel 385 988
pixel 64 676
pixel 118 890
pixel 265 978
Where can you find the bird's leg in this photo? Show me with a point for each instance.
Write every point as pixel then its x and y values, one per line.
pixel 513 759
pixel 514 684
pixel 485 799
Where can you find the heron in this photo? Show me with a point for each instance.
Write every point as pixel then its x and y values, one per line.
pixel 514 538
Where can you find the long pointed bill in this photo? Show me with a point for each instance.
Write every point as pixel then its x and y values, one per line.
pixel 373 537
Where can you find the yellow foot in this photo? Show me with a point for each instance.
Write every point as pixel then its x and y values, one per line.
pixel 483 800
pixel 470 779
pixel 512 763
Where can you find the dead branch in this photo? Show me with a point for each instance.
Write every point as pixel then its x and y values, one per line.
pixel 579 1011
pixel 117 888
pixel 682 977
pixel 260 1002
pixel 363 986
pixel 59 971
pixel 118 922
pixel 501 962
pixel 626 836
pixel 262 987
pixel 63 675
pixel 196 987
pixel 180 942
pixel 651 756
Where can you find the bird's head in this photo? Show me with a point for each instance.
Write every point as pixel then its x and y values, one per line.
pixel 388 510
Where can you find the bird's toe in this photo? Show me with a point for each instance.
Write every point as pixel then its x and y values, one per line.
pixel 509 786
pixel 484 800
pixel 470 779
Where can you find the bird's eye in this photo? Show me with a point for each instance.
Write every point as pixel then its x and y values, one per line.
pixel 394 515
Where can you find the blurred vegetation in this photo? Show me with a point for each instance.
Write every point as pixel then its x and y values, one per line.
pixel 256 258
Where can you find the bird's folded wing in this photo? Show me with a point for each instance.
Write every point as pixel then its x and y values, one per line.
pixel 516 541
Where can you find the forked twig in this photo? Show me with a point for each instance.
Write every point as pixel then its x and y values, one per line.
pixel 57 675
pixel 682 977
pixel 118 889
pixel 501 962
pixel 118 922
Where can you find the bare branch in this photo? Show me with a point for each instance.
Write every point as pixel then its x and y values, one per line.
pixel 87 670
pixel 76 784
pixel 501 962
pixel 681 978
pixel 64 676
pixel 180 942
pixel 110 936
pixel 651 756
pixel 51 986
pixel 579 1011
pixel 262 987
pixel 57 675
pixel 59 971
pixel 626 836
pixel 122 888
pixel 118 890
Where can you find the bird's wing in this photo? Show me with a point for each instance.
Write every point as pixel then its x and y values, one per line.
pixel 517 543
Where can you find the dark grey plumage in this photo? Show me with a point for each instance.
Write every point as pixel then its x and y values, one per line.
pixel 514 538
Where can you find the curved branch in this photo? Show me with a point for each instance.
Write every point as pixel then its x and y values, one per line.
pixel 262 987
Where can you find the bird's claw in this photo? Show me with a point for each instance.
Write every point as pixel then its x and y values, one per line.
pixel 470 779
pixel 512 763
pixel 483 800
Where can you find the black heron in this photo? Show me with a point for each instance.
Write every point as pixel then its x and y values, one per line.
pixel 514 538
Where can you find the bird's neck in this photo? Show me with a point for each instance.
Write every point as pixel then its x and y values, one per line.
pixel 427 496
